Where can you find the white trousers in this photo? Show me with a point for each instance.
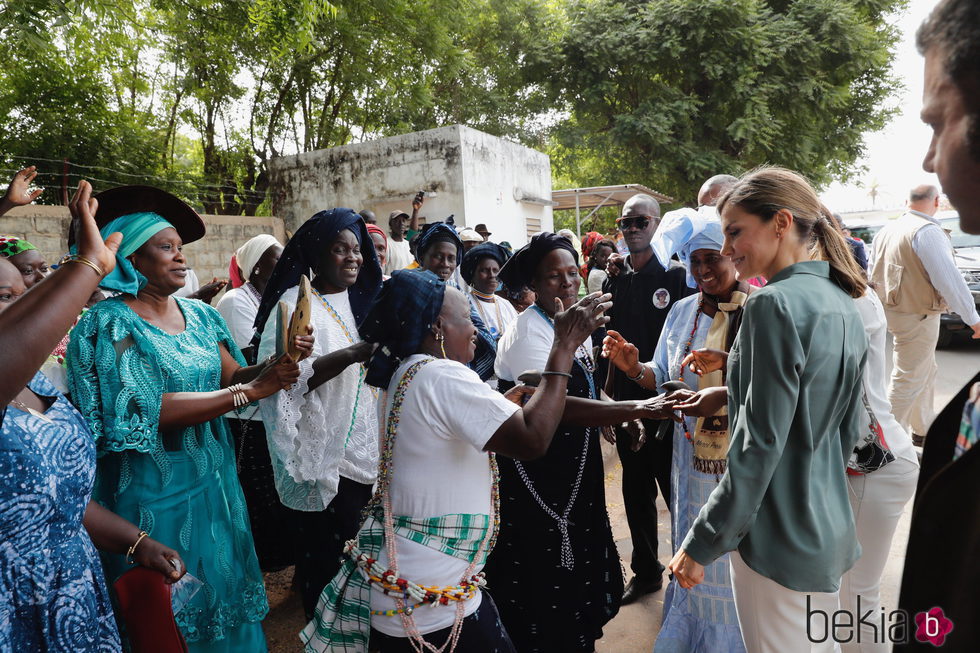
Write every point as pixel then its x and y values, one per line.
pixel 913 369
pixel 877 500
pixel 774 619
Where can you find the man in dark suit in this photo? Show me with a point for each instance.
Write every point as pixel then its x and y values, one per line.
pixel 941 582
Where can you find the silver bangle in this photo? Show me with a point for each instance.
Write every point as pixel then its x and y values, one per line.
pixel 638 377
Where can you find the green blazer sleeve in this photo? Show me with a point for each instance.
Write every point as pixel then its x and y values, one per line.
pixel 767 345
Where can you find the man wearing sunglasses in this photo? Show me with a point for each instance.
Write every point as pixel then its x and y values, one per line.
pixel 643 292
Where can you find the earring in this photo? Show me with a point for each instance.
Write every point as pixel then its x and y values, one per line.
pixel 441 339
pixel 779 234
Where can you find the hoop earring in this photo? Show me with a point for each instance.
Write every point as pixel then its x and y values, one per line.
pixel 441 339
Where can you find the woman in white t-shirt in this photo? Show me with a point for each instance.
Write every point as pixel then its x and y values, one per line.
pixel 322 432
pixel 412 576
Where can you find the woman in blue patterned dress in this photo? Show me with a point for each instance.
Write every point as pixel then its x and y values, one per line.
pixel 701 619
pixel 52 592
pixel 153 375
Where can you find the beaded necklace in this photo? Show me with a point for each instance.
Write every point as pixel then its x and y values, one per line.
pixel 584 361
pixel 402 588
pixel 687 350
pixel 253 293
pixel 361 372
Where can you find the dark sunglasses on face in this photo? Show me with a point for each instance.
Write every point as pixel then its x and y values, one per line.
pixel 640 222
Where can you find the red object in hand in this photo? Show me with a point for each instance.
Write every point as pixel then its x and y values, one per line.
pixel 144 605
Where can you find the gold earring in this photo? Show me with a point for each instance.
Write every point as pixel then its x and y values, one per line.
pixel 441 339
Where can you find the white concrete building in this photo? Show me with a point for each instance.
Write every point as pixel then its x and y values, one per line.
pixel 475 176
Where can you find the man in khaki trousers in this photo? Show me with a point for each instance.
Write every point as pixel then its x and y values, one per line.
pixel 916 278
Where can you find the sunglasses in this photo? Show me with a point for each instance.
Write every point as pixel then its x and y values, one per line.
pixel 640 222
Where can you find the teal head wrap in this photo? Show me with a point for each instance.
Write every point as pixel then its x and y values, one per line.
pixel 136 228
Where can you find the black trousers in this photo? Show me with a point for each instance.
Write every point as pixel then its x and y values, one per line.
pixel 642 471
pixel 482 632
pixel 320 538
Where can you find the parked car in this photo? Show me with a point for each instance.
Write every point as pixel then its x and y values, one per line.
pixel 966 252
pixel 865 229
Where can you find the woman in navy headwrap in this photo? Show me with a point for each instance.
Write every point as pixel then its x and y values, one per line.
pixel 322 433
pixel 432 521
pixel 555 571
pixel 480 268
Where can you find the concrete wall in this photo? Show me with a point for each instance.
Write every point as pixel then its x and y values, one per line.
pixel 47 228
pixel 475 176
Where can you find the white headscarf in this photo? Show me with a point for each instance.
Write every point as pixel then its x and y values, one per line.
pixel 248 255
pixel 684 231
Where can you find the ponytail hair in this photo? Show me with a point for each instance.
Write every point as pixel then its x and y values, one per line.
pixel 766 190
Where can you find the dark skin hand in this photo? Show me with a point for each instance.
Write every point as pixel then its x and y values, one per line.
pixel 208 291
pixel 19 191
pixel 162 262
pixel 49 310
pixel 112 533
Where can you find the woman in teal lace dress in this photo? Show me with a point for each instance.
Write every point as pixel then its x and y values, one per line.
pixel 152 375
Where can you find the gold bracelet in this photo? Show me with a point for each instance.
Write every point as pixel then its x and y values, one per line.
pixel 132 549
pixel 77 258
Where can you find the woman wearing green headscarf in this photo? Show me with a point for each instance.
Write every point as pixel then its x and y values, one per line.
pixel 153 374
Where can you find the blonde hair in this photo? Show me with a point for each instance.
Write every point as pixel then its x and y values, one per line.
pixel 764 191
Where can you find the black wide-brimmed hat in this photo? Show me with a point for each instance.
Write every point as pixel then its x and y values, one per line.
pixel 123 200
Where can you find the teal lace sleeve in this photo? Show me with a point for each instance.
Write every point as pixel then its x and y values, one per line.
pixel 114 378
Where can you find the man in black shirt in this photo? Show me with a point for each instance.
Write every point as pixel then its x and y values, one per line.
pixel 643 292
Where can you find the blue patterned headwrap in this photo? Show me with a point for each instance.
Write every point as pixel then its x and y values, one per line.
pixel 403 313
pixel 484 250
pixel 434 233
pixel 136 229
pixel 302 255
pixel 685 231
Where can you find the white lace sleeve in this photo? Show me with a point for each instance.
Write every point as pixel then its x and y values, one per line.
pixel 306 441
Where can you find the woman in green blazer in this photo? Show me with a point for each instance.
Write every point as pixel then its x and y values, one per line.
pixel 795 403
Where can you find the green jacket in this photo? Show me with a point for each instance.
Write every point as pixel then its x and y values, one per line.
pixel 796 411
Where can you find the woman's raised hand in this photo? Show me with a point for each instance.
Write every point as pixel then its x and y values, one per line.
pixel 87 237
pixel 583 317
pixel 705 361
pixel 275 376
pixel 19 191
pixel 624 355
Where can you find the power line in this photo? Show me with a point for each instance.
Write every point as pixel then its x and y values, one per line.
pixel 127 174
pixel 201 188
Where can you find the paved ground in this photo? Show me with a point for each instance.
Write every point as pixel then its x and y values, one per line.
pixel 635 628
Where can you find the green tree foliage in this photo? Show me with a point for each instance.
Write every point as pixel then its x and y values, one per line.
pixel 199 95
pixel 669 92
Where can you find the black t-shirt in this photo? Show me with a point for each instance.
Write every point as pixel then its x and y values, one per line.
pixel 641 301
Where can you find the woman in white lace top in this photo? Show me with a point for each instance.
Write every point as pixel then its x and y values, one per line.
pixel 323 432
